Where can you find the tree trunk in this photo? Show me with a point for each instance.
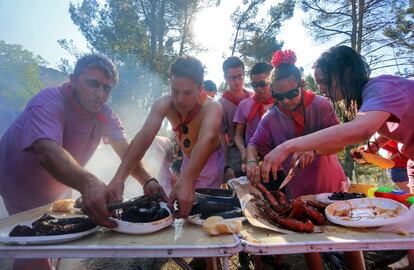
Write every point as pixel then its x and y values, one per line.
pixel 361 12
pixel 354 24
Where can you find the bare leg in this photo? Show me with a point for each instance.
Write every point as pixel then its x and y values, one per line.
pixel 355 260
pixel 313 261
pixel 30 264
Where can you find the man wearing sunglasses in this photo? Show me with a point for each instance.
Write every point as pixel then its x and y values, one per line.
pixel 233 69
pixel 251 110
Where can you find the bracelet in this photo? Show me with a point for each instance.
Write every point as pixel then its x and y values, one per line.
pixel 252 161
pixel 227 167
pixel 148 181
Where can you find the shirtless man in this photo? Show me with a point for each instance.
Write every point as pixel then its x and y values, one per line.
pixel 196 122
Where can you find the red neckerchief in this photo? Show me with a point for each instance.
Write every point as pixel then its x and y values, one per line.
pixel 74 104
pixel 258 107
pixel 298 115
pixel 187 120
pixel 230 97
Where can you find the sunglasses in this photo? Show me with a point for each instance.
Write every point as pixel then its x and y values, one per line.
pixel 259 84
pixel 291 94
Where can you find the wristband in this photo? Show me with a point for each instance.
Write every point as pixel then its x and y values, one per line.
pixel 252 161
pixel 148 181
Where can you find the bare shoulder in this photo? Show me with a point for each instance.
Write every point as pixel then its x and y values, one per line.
pixel 162 104
pixel 211 105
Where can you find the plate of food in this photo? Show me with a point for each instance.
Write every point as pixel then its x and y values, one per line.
pixel 366 212
pixel 144 219
pixel 331 197
pixel 48 229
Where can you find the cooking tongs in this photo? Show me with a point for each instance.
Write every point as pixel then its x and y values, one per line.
pixel 138 202
pixel 290 174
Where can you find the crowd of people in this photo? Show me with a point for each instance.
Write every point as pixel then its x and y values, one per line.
pixel 258 134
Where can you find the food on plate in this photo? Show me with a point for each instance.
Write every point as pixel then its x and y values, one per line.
pixel 147 212
pixel 50 225
pixel 216 225
pixel 63 205
pixel 295 215
pixel 368 212
pixel 341 196
pixel 362 157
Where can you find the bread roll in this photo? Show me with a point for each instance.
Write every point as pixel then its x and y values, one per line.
pixel 215 225
pixel 64 205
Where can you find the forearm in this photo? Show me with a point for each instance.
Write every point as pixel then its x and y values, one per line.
pixel 140 173
pixel 239 141
pixel 223 144
pixel 62 166
pixel 251 153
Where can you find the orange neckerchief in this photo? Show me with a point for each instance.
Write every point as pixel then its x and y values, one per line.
pixel 74 104
pixel 190 115
pixel 258 107
pixel 298 115
pixel 230 97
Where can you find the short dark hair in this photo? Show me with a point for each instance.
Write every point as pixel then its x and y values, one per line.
pixel 99 62
pixel 232 62
pixel 210 86
pixel 188 67
pixel 350 71
pixel 260 68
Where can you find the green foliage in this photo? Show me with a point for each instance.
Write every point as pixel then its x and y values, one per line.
pixel 310 84
pixel 19 75
pixel 254 38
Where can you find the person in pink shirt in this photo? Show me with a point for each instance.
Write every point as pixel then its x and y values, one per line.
pixel 43 153
pixel 251 110
pixel 297 112
pixel 233 69
pixel 382 104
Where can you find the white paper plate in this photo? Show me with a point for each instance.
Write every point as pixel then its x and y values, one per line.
pixel 323 198
pixel 38 240
pixel 144 228
pixel 195 219
pixel 366 212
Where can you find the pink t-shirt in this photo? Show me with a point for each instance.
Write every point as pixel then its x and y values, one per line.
pixel 325 173
pixel 394 95
pixel 50 114
pixel 241 115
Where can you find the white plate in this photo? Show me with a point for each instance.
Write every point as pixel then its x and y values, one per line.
pixel 38 240
pixel 144 228
pixel 366 212
pixel 323 198
pixel 195 219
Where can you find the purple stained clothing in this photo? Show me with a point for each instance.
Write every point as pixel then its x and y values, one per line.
pixel 211 176
pixel 241 115
pixel 228 128
pixel 51 114
pixel 394 95
pixel 325 174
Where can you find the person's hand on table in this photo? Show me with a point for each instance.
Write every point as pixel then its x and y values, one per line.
pixel 95 198
pixel 305 158
pixel 183 194
pixel 228 173
pixel 152 187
